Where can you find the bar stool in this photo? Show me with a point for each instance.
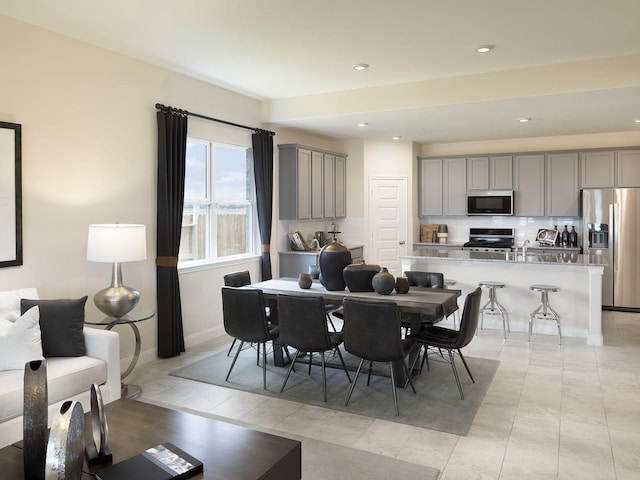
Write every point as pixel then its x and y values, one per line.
pixel 448 283
pixel 544 310
pixel 492 307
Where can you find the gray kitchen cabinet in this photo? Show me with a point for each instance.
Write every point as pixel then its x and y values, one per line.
pixel 628 168
pixel 528 184
pixel 430 187
pixel 597 169
pixel 490 173
pixel 311 183
pixel 454 186
pixel 562 185
pixel 329 185
pixel 341 186
pixel 478 173
pixel 292 264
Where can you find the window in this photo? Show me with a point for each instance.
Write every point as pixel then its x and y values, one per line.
pixel 218 220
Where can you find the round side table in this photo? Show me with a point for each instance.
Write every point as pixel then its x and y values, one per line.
pixel 131 319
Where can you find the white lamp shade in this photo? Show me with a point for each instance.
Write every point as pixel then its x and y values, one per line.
pixel 116 243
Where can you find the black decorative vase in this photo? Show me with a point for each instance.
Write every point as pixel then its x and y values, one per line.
pixel 383 282
pixel 34 420
pixel 304 280
pixel 402 285
pixel 332 260
pixel 359 276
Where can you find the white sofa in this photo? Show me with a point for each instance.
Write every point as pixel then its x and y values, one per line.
pixel 68 378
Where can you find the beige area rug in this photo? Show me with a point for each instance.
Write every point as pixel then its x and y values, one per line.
pixel 436 406
pixel 322 460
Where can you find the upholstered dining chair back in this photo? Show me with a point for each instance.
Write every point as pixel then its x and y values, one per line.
pixel 469 320
pixel 303 323
pixel 425 279
pixel 237 279
pixel 372 330
pixel 244 315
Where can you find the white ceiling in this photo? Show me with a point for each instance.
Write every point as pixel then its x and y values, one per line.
pixel 573 66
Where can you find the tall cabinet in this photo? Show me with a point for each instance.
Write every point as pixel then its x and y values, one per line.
pixel 312 183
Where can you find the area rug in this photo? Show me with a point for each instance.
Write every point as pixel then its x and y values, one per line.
pixel 436 405
pixel 322 460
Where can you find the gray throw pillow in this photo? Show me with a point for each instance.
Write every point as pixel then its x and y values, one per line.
pixel 61 325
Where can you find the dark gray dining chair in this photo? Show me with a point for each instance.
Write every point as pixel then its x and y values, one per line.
pixel 452 340
pixel 372 333
pixel 419 279
pixel 236 279
pixel 245 319
pixel 303 326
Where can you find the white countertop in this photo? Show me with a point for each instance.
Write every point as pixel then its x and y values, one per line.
pixel 564 259
pixel 313 252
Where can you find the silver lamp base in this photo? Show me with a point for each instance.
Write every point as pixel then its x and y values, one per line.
pixel 116 300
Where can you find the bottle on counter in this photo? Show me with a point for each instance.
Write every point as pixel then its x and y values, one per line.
pixel 558 237
pixel 565 237
pixel 573 237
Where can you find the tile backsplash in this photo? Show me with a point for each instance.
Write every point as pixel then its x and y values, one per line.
pixel 525 228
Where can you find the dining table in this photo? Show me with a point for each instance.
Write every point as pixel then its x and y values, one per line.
pixel 436 303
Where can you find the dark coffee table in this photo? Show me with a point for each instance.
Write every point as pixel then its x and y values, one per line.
pixel 227 451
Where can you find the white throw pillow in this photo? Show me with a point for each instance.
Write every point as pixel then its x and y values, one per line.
pixel 20 341
pixel 10 302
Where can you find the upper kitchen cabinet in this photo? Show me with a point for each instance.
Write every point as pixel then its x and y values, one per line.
pixel 597 169
pixel 528 180
pixel 454 186
pixel 628 168
pixel 431 186
pixel 490 173
pixel 562 185
pixel 312 183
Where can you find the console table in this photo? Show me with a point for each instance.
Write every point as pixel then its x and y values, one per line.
pixel 228 451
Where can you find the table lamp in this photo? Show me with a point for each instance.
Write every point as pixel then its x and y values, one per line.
pixel 116 243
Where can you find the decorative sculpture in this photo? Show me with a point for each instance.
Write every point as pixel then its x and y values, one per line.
pixel 332 260
pixel 66 443
pixel 97 448
pixel 34 419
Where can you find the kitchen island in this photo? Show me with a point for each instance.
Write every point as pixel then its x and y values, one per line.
pixel 579 302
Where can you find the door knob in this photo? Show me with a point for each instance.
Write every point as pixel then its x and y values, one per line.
pixel 402 242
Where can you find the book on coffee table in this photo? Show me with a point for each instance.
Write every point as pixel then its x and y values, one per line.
pixel 162 462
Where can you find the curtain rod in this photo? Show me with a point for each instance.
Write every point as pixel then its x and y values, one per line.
pixel 163 108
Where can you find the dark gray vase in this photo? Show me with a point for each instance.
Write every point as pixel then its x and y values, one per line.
pixel 359 276
pixel 332 260
pixel 383 282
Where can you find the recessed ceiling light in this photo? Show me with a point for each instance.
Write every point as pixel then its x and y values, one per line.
pixel 484 48
pixel 362 124
pixel 396 137
pixel 637 120
pixel 361 66
pixel 524 120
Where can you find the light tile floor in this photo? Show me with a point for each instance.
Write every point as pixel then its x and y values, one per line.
pixel 565 412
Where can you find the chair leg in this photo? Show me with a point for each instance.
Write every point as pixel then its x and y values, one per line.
pixel 231 347
pixel 324 378
pixel 455 374
pixel 310 357
pixel 369 375
pixel 343 364
pixel 258 355
pixel 235 357
pixel 393 389
pixel 353 384
pixel 409 380
pixel 264 366
pixel 466 366
pixel 295 357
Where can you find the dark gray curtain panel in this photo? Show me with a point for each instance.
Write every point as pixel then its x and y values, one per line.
pixel 262 143
pixel 172 147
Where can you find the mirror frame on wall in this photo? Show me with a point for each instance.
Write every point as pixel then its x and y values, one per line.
pixel 10 194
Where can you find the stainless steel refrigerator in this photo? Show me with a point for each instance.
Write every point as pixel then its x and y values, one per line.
pixel 611 228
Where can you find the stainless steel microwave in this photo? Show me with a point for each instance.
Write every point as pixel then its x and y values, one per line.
pixel 490 202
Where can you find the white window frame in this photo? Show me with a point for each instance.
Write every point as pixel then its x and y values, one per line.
pixel 211 205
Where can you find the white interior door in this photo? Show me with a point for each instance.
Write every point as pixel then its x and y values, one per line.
pixel 388 220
